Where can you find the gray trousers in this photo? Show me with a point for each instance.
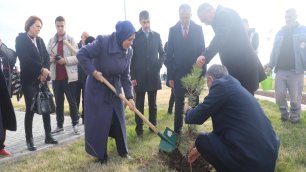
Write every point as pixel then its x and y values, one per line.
pixel 292 82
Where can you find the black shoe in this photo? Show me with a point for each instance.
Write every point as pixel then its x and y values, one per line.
pixel 104 160
pixel 30 144
pixel 50 140
pixel 169 113
pixel 127 156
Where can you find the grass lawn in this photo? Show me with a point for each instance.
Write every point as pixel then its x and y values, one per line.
pixel 72 157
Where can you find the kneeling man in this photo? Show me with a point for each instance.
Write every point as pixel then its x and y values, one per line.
pixel 242 138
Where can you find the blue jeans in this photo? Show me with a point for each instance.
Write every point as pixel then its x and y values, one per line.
pixel 61 87
pixel 292 82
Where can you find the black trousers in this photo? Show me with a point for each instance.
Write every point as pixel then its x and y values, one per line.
pixel 79 90
pixel 28 91
pixel 171 101
pixel 61 87
pixel 3 140
pixel 116 132
pixel 140 99
pixel 179 110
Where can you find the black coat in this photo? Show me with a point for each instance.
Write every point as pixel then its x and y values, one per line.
pixel 148 58
pixel 7 115
pixel 32 59
pixel 243 138
pixel 236 53
pixel 182 54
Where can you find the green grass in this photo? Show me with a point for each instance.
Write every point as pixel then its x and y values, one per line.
pixel 72 157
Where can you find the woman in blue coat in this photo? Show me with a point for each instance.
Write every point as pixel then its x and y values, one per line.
pixel 109 56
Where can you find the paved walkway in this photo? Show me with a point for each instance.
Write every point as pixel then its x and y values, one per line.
pixel 16 144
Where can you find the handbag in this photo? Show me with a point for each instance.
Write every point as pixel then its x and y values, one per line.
pixel 42 102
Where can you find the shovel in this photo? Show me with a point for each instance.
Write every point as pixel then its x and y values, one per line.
pixel 168 138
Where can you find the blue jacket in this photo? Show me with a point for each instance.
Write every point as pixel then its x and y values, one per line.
pixel 299 46
pixel 242 138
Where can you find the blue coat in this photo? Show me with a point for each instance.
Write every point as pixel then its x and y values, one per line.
pixel 242 138
pixel 100 103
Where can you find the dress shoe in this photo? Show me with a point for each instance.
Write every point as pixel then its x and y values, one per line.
pixel 4 152
pixel 50 140
pixel 30 145
pixel 104 160
pixel 127 156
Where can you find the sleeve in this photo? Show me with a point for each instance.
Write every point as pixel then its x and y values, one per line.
pixel 212 103
pixel 126 81
pixel 8 54
pixel 132 68
pixel 72 60
pixel 255 41
pixel 275 48
pixel 23 51
pixel 170 56
pixel 46 56
pixel 161 57
pixel 89 52
pixel 222 29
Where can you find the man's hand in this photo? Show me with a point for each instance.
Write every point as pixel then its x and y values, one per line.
pixel 171 83
pixel 201 61
pixel 186 108
pixel 193 155
pixel 134 82
pixel 61 61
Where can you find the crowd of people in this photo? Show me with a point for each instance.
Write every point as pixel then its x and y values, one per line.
pixel 242 138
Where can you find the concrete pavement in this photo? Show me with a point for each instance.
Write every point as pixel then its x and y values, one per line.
pixel 15 140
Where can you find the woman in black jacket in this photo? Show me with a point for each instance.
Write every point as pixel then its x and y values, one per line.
pixel 34 65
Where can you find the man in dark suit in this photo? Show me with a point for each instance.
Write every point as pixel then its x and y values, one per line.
pixel 185 44
pixel 147 60
pixel 242 138
pixel 232 43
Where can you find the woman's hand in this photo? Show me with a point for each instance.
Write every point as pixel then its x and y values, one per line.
pixel 45 72
pixel 131 105
pixel 97 75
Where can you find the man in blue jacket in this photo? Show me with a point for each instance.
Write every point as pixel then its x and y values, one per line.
pixel 242 138
pixel 288 58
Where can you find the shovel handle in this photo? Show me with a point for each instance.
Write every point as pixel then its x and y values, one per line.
pixel 110 86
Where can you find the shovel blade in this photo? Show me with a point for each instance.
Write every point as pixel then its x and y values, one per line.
pixel 168 140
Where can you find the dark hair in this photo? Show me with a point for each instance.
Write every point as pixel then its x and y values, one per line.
pixel 31 20
pixel 185 8
pixel 217 71
pixel 60 19
pixel 89 39
pixel 144 15
pixel 203 7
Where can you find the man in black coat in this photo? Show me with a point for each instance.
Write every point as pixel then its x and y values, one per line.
pixel 232 43
pixel 242 138
pixel 7 113
pixel 147 60
pixel 185 44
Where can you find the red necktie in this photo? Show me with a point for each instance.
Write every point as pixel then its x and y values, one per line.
pixel 185 34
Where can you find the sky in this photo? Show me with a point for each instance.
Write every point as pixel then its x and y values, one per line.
pixel 98 17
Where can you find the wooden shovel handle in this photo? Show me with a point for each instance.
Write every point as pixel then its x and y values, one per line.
pixel 110 86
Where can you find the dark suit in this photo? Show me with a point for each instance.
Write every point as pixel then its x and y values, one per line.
pixel 180 56
pixel 236 53
pixel 148 58
pixel 242 138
